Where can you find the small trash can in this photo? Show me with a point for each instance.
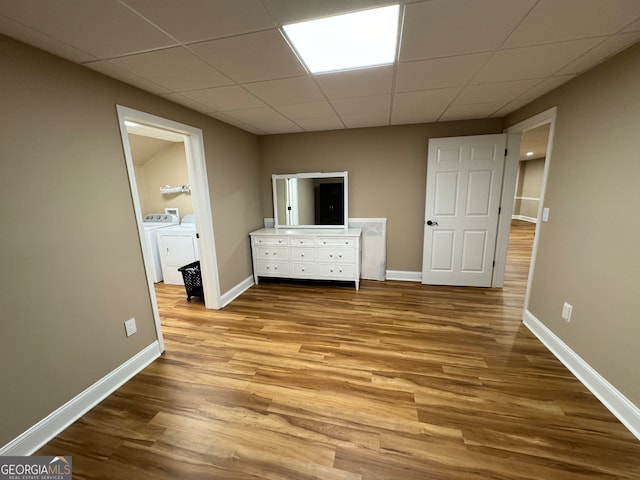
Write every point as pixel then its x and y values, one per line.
pixel 192 280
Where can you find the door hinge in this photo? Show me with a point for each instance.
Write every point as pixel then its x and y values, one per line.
pixel 499 210
pixel 494 263
pixel 505 152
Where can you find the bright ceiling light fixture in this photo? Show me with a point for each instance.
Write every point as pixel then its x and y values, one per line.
pixel 529 154
pixel 345 42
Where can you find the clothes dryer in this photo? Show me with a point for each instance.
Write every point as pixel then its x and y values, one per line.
pixel 178 247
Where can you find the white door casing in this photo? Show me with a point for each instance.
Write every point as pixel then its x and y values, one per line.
pixel 464 179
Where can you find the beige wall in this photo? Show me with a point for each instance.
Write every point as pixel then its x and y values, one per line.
pixel 387 174
pixel 167 167
pixel 72 269
pixel 588 252
pixel 529 185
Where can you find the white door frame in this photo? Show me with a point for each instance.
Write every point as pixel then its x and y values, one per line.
pixel 197 169
pixel 514 134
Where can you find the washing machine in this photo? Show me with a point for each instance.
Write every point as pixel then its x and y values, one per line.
pixel 178 247
pixel 151 224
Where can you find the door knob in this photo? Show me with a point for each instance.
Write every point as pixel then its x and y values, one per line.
pixel 430 223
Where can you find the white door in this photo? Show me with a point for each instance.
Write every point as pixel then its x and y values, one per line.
pixel 464 179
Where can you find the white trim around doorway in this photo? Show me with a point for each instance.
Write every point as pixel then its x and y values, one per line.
pixel 197 168
pixel 508 187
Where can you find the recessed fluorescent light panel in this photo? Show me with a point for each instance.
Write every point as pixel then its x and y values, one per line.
pixel 345 42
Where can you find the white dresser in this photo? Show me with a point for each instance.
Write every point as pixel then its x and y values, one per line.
pixel 314 254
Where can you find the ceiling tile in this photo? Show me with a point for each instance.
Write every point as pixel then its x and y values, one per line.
pixel 439 73
pixel 113 71
pixel 477 110
pixel 223 117
pixel 174 68
pixel 286 91
pixel 265 119
pixel 42 41
pixel 258 116
pixel 187 102
pixel 511 107
pixel 495 92
pixel 416 115
pixel 360 120
pixel 532 62
pixel 600 53
pixel 438 29
pixel 103 29
pixel 546 85
pixel 560 20
pixel 374 104
pixel 429 99
pixel 197 20
pixel 232 97
pixel 303 111
pixel 320 123
pixel 357 83
pixel 252 57
pixel 633 27
pixel 291 11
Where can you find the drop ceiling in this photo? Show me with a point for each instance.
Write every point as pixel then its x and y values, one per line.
pixel 458 59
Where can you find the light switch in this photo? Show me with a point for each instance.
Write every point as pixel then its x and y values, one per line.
pixel 545 214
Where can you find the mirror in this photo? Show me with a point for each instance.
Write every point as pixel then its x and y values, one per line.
pixel 310 200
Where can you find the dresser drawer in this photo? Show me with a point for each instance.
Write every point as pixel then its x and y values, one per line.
pixel 270 240
pixel 302 241
pixel 273 269
pixel 267 252
pixel 330 270
pixel 303 254
pixel 336 241
pixel 336 255
pixel 304 269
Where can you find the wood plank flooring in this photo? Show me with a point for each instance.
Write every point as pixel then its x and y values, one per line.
pixel 396 381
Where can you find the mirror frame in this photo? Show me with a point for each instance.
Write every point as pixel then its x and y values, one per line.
pixel 343 175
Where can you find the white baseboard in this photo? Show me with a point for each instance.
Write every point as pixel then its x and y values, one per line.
pixel 50 426
pixel 404 276
pixel 613 399
pixel 524 218
pixel 229 296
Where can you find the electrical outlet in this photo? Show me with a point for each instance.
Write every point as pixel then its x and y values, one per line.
pixel 130 327
pixel 567 309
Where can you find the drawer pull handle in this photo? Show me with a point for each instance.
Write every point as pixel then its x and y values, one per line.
pixel 340 255
pixel 331 255
pixel 303 269
pixel 302 254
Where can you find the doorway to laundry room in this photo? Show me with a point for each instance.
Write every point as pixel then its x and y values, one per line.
pixel 164 193
pixel 170 192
